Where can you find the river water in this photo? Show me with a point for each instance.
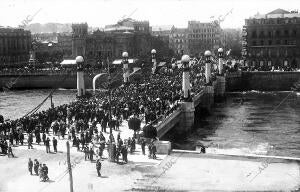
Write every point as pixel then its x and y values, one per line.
pixel 265 123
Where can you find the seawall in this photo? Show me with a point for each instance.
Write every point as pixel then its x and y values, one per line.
pixel 261 81
pixel 44 79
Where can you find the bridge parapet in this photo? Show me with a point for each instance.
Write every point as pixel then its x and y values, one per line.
pixel 168 122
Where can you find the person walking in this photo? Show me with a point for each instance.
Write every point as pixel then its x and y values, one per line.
pixel 30 165
pixel 54 142
pixel 36 167
pixel 91 152
pixel 154 151
pixel 44 138
pixel 9 152
pixel 98 167
pixel 86 153
pixel 21 137
pixel 47 143
pixel 143 145
pixel 29 141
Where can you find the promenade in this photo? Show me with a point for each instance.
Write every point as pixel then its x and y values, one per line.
pixel 15 177
pixel 179 171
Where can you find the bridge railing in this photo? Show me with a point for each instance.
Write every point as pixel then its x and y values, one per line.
pixel 43 72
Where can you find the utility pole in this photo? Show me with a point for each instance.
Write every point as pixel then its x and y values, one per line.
pixel 69 166
pixel 111 152
pixel 52 104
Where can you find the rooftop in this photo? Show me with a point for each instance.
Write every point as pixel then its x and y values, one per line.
pixel 277 13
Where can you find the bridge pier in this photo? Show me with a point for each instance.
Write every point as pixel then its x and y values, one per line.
pixel 207 99
pixel 219 88
pixel 187 118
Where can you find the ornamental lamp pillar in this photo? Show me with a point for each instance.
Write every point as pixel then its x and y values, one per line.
pixel 221 55
pixel 185 60
pixel 207 55
pixel 125 67
pixel 80 76
pixel 153 57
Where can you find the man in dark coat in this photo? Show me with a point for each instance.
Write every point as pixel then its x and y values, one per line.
pixel 21 137
pixel 54 141
pixel 47 143
pixel 91 151
pixel 29 141
pixel 30 165
pixel 143 145
pixel 44 138
pixel 98 167
pixel 36 167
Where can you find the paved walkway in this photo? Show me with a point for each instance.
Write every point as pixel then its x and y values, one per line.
pixel 15 177
pixel 210 172
pixel 180 171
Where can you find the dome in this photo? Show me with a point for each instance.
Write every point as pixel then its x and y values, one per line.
pixel 79 59
pixel 185 59
pixel 125 54
pixel 220 50
pixel 207 53
pixel 153 51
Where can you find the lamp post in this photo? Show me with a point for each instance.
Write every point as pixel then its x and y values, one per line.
pixel 207 55
pixel 221 55
pixel 125 67
pixel 185 59
pixel 153 56
pixel 80 76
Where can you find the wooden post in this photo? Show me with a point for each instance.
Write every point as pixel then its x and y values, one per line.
pixel 69 166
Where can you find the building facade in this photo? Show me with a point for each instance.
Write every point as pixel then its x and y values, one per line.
pixel 64 41
pixel 203 36
pixel 272 39
pixel 178 41
pixel 15 46
pixel 135 38
pixel 231 39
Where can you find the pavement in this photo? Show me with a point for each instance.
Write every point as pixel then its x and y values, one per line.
pixel 15 177
pixel 179 171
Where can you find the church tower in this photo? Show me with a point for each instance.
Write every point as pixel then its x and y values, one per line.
pixel 79 36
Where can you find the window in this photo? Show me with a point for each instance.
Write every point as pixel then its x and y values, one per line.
pixel 261 34
pixel 270 42
pixel 277 33
pixel 270 34
pixel 294 33
pixel 262 42
pixel 286 33
pixel 254 43
pixel 278 42
pixel 254 35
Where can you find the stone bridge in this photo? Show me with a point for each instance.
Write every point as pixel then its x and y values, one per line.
pixel 182 119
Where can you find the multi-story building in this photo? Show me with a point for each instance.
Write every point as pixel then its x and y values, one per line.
pixel 134 38
pixel 64 41
pixel 231 39
pixel 163 33
pixel 273 39
pixel 15 45
pixel 203 36
pixel 178 41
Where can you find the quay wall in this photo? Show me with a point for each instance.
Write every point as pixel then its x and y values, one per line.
pixel 44 80
pixel 261 81
pixel 236 81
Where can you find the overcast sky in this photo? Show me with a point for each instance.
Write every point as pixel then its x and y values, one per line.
pixel 98 13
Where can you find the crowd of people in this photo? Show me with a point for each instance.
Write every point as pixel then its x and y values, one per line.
pixel 152 98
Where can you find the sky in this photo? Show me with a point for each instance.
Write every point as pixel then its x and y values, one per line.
pixel 98 13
